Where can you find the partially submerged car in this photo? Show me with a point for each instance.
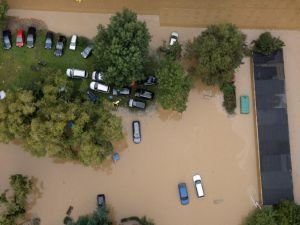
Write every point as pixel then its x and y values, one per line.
pixel 173 38
pixel 125 91
pixel 20 38
pixel 136 104
pixel 76 73
pixel 96 86
pixel 60 46
pixel 183 194
pixel 49 40
pixel 136 132
pixel 91 96
pixel 101 200
pixel 142 93
pixel 31 35
pixel 86 52
pixel 149 81
pixel 6 34
pixel 198 185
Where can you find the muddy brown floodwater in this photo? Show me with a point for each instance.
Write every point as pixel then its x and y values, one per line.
pixel 174 147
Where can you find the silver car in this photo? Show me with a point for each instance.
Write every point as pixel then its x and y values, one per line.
pixel 136 132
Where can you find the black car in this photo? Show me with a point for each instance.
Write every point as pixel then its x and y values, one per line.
pixel 136 104
pixel 149 81
pixel 101 200
pixel 125 91
pixel 142 93
pixel 6 39
pixel 60 46
pixel 49 40
pixel 92 97
pixel 86 52
pixel 31 37
pixel 136 132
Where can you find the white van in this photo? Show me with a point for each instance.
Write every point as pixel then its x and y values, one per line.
pixel 198 185
pixel 73 42
pixel 75 73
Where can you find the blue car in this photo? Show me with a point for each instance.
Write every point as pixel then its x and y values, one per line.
pixel 183 194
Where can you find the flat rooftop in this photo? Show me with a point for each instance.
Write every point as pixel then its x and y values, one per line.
pixel 273 131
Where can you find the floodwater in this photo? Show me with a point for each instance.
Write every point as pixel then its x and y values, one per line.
pixel 174 147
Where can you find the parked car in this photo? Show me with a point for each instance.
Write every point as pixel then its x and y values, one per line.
pixel 183 194
pixel 6 34
pixel 96 86
pixel 136 104
pixel 86 52
pixel 125 91
pixel 198 185
pixel 60 46
pixel 142 93
pixel 91 96
pixel 149 81
pixel 73 42
pixel 31 35
pixel 76 73
pixel 49 40
pixel 173 38
pixel 2 95
pixel 20 38
pixel 101 200
pixel 136 132
pixel 96 76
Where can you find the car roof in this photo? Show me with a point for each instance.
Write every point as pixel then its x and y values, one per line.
pixel 196 177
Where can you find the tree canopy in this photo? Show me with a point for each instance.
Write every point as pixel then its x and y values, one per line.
pixel 3 11
pixel 218 51
pixel 121 49
pixel 99 217
pixel 173 86
pixel 56 121
pixel 267 44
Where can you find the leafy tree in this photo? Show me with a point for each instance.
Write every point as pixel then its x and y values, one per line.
pixel 99 217
pixel 121 49
pixel 218 51
pixel 229 102
pixel 3 11
pixel 267 44
pixel 172 52
pixel 264 216
pixel 174 86
pixel 288 213
pixel 142 221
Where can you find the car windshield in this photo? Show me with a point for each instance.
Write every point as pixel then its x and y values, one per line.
pixel 19 39
pixel 6 40
pixel 48 41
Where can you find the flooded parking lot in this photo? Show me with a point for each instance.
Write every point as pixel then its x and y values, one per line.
pixel 174 147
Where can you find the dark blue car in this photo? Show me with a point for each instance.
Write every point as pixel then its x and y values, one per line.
pixel 183 194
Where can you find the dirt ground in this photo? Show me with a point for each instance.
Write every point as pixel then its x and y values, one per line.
pixel 187 13
pixel 174 147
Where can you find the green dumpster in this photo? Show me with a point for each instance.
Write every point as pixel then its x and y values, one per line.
pixel 244 104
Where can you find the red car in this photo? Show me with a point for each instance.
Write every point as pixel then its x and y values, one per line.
pixel 20 38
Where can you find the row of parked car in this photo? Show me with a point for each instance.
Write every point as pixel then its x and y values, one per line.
pixel 49 40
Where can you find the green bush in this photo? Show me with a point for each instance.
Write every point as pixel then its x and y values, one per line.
pixel 267 44
pixel 229 103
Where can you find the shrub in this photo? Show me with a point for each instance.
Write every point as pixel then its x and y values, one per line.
pixel 267 44
pixel 229 103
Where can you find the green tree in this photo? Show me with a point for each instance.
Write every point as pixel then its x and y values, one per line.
pixel 99 217
pixel 142 221
pixel 264 216
pixel 174 86
pixel 218 52
pixel 229 102
pixel 3 11
pixel 267 44
pixel 288 213
pixel 121 49
pixel 172 52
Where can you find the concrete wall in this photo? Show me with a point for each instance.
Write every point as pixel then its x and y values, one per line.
pixel 279 14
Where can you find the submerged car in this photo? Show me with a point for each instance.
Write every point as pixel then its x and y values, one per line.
pixel 91 96
pixel 125 91
pixel 31 35
pixel 173 38
pixel 101 200
pixel 198 186
pixel 86 52
pixel 142 93
pixel 49 40
pixel 183 194
pixel 60 46
pixel 20 38
pixel 97 76
pixel 149 81
pixel 136 104
pixel 136 132
pixel 6 34
pixel 96 86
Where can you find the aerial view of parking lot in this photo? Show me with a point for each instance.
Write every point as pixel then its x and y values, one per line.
pixel 149 114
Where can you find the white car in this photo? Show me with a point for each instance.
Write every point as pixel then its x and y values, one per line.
pixel 95 86
pixel 198 185
pixel 97 76
pixel 173 38
pixel 73 42
pixel 76 73
pixel 2 95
